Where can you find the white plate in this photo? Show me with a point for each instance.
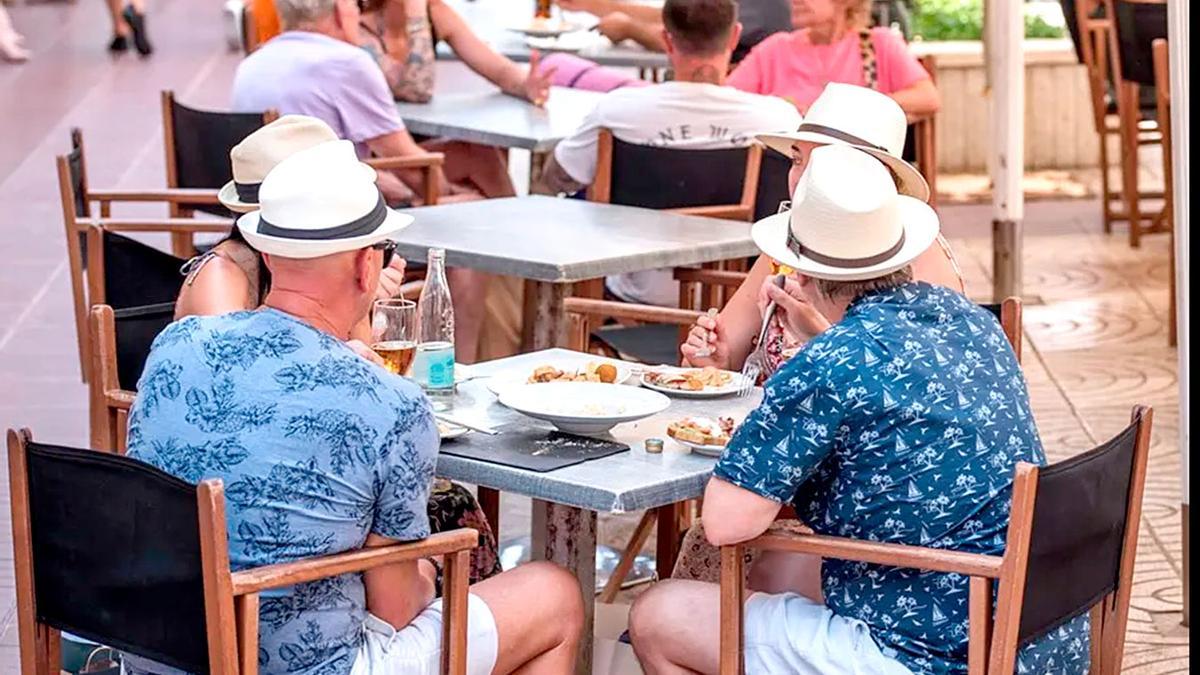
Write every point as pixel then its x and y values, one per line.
pixel 567 42
pixel 584 407
pixel 508 379
pixel 731 387
pixel 544 28
pixel 707 450
pixel 449 431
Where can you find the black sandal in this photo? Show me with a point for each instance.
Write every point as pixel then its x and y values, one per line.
pixel 137 24
pixel 119 44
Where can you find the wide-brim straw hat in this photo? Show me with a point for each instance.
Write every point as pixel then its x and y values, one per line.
pixel 845 114
pixel 847 221
pixel 319 202
pixel 258 153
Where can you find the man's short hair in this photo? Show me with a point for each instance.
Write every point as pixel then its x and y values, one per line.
pixel 296 13
pixel 850 290
pixel 699 27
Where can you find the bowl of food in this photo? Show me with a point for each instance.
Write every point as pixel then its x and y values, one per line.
pixel 605 372
pixel 702 434
pixel 584 407
pixel 705 382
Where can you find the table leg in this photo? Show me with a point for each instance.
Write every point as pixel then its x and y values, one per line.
pixel 537 163
pixel 567 536
pixel 667 548
pixel 545 314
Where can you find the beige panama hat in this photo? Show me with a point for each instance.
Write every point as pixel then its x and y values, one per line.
pixel 847 221
pixel 258 153
pixel 845 114
pixel 319 202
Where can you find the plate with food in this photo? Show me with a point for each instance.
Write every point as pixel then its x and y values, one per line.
pixel 584 407
pixel 705 382
pixel 702 434
pixel 604 372
pixel 448 431
pixel 544 27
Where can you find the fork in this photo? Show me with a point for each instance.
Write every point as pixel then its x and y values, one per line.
pixel 752 368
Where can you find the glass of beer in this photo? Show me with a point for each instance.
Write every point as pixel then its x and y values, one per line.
pixel 541 9
pixel 394 333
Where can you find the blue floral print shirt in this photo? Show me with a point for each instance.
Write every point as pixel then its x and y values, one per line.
pixel 317 449
pixel 902 423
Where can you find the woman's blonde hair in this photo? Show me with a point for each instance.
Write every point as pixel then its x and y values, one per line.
pixel 858 14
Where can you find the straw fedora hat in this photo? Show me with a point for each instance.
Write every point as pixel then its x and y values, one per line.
pixel 258 153
pixel 873 122
pixel 318 202
pixel 847 222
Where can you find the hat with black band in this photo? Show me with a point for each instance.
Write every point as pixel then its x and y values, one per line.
pixel 318 202
pixel 253 158
pixel 847 220
pixel 865 119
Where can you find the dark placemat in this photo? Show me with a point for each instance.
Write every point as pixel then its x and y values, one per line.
pixel 538 450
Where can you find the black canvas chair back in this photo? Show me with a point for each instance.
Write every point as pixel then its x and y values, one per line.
pixel 772 184
pixel 1069 16
pixel 1079 521
pixel 1138 25
pixel 136 275
pixel 203 139
pixel 993 308
pixel 136 328
pixel 667 178
pixel 116 554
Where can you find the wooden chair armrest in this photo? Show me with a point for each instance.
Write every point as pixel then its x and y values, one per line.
pixel 119 399
pixel 169 195
pixel 185 225
pixel 427 161
pixel 730 212
pixel 727 278
pixel 288 574
pixel 630 311
pixel 894 555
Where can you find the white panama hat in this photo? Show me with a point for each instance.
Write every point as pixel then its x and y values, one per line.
pixel 319 202
pixel 258 153
pixel 845 114
pixel 847 221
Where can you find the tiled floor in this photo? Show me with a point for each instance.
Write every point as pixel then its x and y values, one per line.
pixel 1094 347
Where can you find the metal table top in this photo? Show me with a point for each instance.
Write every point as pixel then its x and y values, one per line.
pixel 624 482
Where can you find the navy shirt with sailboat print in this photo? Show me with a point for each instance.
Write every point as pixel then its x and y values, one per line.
pixel 903 423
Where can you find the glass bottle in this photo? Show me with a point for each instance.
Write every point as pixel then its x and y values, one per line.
pixel 433 367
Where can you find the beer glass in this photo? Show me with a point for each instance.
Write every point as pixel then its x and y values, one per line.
pixel 394 333
pixel 541 9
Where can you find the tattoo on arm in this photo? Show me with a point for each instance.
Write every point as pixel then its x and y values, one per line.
pixel 415 77
pixel 555 180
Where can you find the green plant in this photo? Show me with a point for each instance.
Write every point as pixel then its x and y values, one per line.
pixel 936 20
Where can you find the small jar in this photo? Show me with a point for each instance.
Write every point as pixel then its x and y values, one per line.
pixel 654 446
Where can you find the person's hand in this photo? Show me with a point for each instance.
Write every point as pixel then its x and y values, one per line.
pixel 706 343
pixel 536 86
pixel 616 26
pixel 364 351
pixel 391 279
pixel 796 315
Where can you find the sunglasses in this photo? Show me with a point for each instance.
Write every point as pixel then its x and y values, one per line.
pixel 389 250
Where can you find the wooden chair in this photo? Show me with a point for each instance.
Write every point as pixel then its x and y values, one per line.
pixel 1162 90
pixel 122 340
pixel 923 132
pixel 249 29
pixel 1072 538
pixel 77 199
pixel 118 551
pixel 1135 25
pixel 197 144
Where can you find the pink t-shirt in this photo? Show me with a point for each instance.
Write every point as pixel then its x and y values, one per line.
pixel 789 66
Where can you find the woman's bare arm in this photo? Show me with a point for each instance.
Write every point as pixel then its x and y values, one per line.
pixel 479 57
pixel 219 287
pixel 919 99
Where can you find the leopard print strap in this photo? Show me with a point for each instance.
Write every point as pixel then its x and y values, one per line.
pixel 870 68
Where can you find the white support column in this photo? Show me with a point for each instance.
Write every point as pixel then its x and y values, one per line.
pixel 1006 70
pixel 1177 18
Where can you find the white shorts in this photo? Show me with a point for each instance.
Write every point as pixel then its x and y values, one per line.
pixel 416 649
pixel 788 633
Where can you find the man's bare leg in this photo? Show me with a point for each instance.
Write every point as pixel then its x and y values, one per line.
pixel 468 289
pixel 675 628
pixel 778 572
pixel 480 166
pixel 539 617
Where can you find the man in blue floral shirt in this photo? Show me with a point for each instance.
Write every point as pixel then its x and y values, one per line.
pixel 322 451
pixel 900 423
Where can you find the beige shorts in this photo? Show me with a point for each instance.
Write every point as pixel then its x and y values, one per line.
pixel 416 649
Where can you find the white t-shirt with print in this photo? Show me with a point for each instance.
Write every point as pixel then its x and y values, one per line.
pixel 688 115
